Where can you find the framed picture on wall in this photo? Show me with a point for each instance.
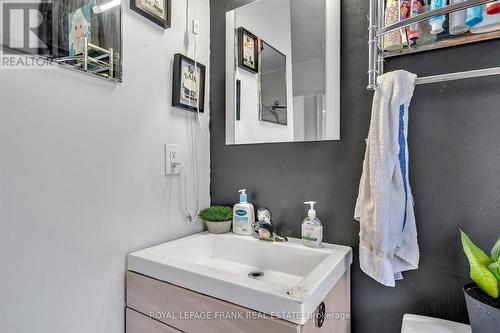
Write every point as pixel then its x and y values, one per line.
pixel 188 86
pixel 248 50
pixel 157 11
pixel 79 27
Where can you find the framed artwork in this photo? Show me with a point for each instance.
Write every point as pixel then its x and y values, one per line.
pixel 188 87
pixel 157 11
pixel 248 50
pixel 79 27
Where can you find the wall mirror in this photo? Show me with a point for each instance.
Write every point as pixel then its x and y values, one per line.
pixel 283 71
pixel 273 101
pixel 84 35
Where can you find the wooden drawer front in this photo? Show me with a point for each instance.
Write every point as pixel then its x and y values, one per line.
pixel 148 295
pixel 338 302
pixel 139 323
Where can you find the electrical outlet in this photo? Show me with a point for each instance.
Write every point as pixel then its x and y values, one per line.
pixel 171 156
pixel 196 26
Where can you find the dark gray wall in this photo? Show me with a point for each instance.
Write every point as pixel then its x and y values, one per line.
pixel 455 159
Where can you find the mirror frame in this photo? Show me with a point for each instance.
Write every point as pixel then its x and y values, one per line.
pixel 332 68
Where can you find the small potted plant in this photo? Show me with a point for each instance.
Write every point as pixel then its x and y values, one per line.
pixel 218 219
pixel 482 297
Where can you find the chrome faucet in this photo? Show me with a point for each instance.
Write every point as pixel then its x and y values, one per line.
pixel 263 228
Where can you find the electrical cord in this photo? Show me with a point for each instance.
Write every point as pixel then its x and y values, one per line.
pixel 193 216
pixel 198 116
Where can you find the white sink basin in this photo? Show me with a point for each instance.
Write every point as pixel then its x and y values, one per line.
pixel 295 278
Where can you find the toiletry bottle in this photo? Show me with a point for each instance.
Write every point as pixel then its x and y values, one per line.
pixel 493 8
pixel 474 16
pixel 243 216
pixel 312 229
pixel 414 31
pixel 404 13
pixel 457 20
pixel 489 23
pixel 392 40
pixel 437 21
pixel 425 27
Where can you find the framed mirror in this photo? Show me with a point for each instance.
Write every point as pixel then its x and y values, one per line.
pixel 283 71
pixel 272 79
pixel 83 35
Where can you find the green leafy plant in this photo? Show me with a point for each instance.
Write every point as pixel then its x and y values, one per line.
pixel 216 214
pixel 484 269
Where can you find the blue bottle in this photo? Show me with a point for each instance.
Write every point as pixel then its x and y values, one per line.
pixel 436 22
pixel 474 16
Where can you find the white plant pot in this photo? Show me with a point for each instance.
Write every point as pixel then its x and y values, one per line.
pixel 219 227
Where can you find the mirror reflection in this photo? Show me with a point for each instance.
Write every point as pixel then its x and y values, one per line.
pixel 273 85
pixel 283 71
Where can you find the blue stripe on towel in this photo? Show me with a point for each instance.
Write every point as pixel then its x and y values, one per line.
pixel 402 155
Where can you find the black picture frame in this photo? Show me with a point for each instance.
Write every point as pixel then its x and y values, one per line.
pixel 177 84
pixel 242 33
pixel 161 21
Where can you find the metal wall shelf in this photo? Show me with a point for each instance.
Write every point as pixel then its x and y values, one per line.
pixel 95 60
pixel 463 39
pixel 377 31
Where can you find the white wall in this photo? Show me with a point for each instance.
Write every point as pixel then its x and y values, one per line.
pixel 82 179
pixel 275 87
pixel 269 20
pixel 309 78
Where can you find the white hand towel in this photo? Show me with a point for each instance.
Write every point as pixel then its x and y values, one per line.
pixel 384 208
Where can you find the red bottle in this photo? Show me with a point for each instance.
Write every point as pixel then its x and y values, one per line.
pixel 493 8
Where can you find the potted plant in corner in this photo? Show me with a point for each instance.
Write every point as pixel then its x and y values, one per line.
pixel 482 296
pixel 218 219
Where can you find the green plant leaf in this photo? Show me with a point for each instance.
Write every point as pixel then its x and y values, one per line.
pixel 216 214
pixel 479 262
pixel 495 269
pixel 495 251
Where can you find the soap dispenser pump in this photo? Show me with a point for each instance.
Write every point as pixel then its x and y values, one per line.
pixel 312 229
pixel 243 215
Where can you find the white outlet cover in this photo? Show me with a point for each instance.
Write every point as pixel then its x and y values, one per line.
pixel 196 26
pixel 169 149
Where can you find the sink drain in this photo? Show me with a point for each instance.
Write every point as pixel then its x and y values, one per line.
pixel 255 275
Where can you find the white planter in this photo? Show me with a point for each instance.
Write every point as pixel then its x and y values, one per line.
pixel 219 227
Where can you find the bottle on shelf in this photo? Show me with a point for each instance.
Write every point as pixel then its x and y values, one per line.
pixel 392 40
pixel 474 16
pixel 437 21
pixel 425 27
pixel 414 30
pixel 488 24
pixel 404 13
pixel 457 20
pixel 493 8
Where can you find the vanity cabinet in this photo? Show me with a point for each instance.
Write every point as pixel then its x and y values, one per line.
pixel 154 306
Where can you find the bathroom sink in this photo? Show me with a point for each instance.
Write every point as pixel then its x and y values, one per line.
pixel 286 280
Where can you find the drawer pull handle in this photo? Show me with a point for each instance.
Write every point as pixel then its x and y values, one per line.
pixel 320 315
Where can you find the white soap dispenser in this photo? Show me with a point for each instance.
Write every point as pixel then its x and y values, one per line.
pixel 243 216
pixel 312 229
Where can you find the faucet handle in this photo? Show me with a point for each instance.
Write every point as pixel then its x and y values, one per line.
pixel 264 215
pixel 263 229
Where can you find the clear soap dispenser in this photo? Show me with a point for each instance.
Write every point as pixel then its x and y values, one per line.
pixel 312 229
